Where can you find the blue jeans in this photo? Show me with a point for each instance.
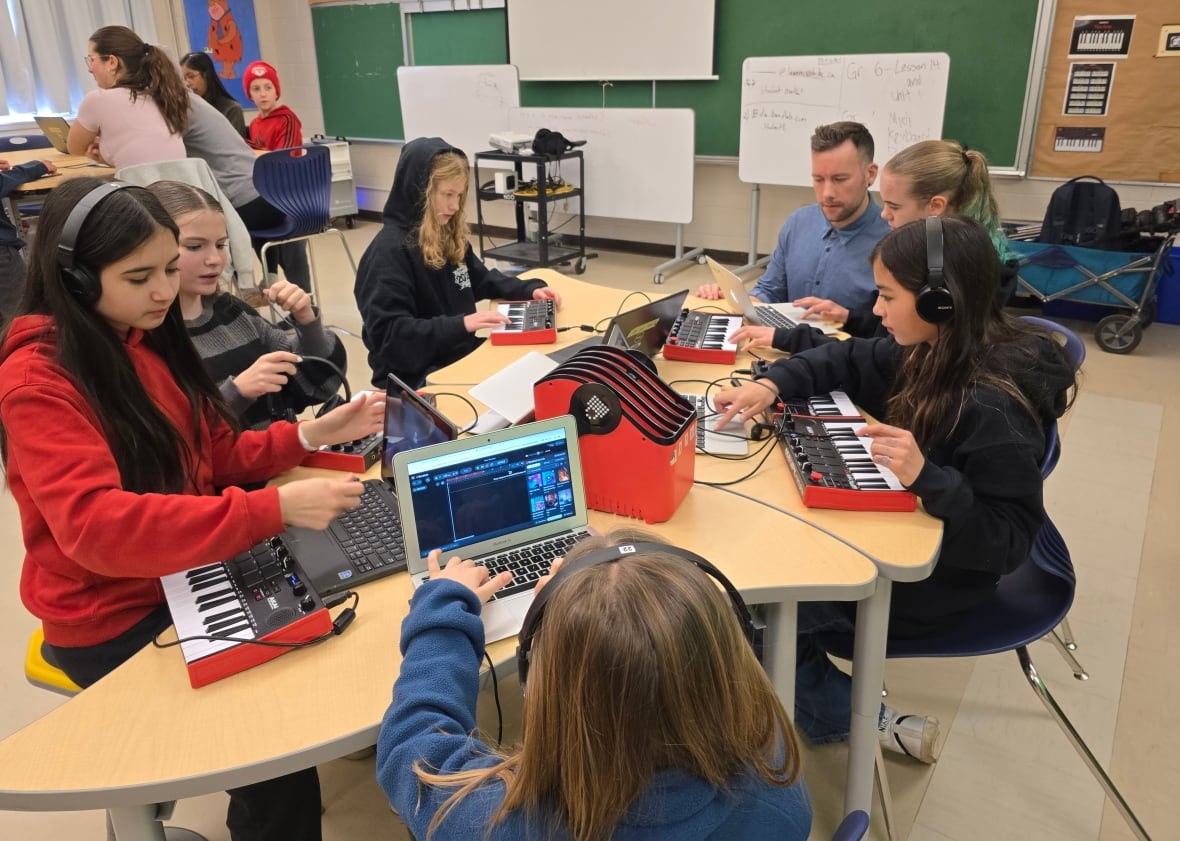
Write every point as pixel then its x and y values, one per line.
pixel 823 693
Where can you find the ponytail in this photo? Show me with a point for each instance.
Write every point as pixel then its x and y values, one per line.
pixel 146 69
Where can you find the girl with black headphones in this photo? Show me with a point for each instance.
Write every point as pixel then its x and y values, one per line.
pixel 114 438
pixel 965 392
pixel 256 365
pixel 646 714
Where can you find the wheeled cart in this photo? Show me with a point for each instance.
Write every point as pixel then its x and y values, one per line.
pixel 539 196
pixel 1127 281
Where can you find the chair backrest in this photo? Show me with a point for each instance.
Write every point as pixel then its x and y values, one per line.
pixel 16 142
pixel 196 172
pixel 298 182
pixel 1075 348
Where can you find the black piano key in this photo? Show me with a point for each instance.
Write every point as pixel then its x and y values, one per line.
pixel 230 599
pixel 226 624
pixel 199 572
pixel 228 632
pixel 206 597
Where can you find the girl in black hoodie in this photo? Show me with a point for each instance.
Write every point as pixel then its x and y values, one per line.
pixel 419 279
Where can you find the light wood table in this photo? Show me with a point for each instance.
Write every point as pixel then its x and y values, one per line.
pixel 902 546
pixel 68 166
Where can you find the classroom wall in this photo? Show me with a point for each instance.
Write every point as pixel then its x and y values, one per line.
pixel 721 210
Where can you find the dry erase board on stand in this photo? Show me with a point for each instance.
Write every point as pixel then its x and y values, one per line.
pixel 462 104
pixel 639 161
pixel 900 97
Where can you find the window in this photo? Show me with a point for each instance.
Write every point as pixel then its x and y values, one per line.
pixel 42 43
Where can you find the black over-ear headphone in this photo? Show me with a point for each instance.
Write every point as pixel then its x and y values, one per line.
pixel 610 554
pixel 934 303
pixel 80 280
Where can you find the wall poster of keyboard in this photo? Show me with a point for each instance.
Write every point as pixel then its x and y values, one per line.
pixel 830 463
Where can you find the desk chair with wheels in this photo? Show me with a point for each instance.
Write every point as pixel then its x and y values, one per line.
pixel 43 673
pixel 1027 605
pixel 298 182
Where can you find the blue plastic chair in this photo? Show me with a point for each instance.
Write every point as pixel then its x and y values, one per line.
pixel 853 827
pixel 1075 349
pixel 1027 605
pixel 298 182
pixel 18 142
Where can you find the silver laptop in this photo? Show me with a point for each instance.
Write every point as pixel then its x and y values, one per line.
pixel 644 329
pixel 733 291
pixel 57 130
pixel 506 499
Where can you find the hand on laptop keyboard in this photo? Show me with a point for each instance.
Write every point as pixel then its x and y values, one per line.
pixel 467 573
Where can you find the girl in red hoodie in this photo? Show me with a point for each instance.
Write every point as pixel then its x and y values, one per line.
pixel 114 439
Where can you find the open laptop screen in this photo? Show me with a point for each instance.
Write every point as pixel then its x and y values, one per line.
pixel 410 422
pixel 478 494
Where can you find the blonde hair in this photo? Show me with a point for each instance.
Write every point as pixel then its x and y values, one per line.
pixel 443 244
pixel 641 666
pixel 947 168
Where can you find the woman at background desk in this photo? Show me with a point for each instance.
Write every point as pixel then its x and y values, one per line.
pixel 419 279
pixel 202 79
pixel 965 392
pixel 114 440
pixel 140 109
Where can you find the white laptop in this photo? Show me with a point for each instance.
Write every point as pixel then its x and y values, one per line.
pixel 510 496
pixel 767 315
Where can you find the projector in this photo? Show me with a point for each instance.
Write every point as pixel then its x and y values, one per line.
pixel 512 142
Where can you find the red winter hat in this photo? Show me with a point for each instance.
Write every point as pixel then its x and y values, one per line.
pixel 260 70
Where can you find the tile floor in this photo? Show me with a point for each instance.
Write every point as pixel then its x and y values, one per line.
pixel 1005 772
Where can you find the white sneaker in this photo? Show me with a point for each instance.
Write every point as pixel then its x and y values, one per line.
pixel 912 735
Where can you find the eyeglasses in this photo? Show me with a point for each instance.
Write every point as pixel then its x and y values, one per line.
pixel 89 59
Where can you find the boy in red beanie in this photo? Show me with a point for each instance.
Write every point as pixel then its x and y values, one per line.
pixel 276 126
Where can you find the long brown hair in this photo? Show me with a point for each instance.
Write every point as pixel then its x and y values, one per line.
pixel 150 452
pixel 145 69
pixel 981 346
pixel 633 660
pixel 444 244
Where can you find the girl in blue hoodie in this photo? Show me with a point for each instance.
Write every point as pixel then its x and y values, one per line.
pixel 646 715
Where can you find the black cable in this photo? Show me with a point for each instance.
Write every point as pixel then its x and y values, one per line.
pixel 342 621
pixel 470 405
pixel 496 696
pixel 335 369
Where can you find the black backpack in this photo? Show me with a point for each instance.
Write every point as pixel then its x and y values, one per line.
pixel 1083 211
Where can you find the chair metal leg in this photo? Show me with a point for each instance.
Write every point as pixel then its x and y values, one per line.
pixel 1067 654
pixel 1067 635
pixel 883 792
pixel 1034 680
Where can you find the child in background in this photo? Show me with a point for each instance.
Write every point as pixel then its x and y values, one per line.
pixel 202 79
pixel 646 715
pixel 276 126
pixel 419 280
pixel 249 358
pixel 12 265
pixel 114 440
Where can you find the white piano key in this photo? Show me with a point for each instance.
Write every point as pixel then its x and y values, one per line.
pixel 190 620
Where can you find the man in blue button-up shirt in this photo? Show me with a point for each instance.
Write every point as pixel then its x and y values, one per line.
pixel 823 249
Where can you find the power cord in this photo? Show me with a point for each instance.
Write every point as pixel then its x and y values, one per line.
pixel 496 696
pixel 470 405
pixel 342 621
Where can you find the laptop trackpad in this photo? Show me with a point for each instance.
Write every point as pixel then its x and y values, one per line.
pixel 503 619
pixel 319 556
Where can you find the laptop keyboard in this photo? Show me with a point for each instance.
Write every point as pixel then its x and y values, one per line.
pixel 771 317
pixel 528 563
pixel 371 535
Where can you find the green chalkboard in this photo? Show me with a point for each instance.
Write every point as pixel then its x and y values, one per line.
pixel 990 45
pixel 358 50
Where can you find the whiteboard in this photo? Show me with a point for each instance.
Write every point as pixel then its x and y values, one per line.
pixel 462 104
pixel 601 40
pixel 639 161
pixel 900 97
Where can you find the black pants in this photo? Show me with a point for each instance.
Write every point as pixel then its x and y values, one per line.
pixel 283 809
pixel 258 214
